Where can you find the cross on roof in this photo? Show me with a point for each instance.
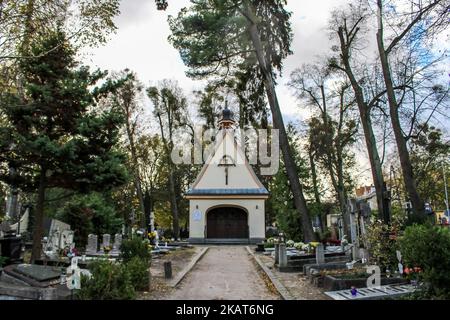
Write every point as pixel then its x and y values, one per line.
pixel 226 162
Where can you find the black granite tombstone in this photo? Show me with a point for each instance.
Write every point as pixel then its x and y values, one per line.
pixel 11 248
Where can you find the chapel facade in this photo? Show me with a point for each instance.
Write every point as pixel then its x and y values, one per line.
pixel 227 199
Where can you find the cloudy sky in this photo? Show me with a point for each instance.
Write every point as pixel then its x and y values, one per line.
pixel 141 45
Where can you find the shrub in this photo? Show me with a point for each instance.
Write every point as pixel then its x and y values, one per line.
pixel 382 247
pixel 168 234
pixel 109 281
pixel 138 270
pixel 135 247
pixel 3 261
pixel 90 214
pixel 428 247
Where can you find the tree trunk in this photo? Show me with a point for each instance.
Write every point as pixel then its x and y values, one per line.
pixel 364 113
pixel 28 28
pixel 174 207
pixel 314 177
pixel 403 152
pixel 173 198
pixel 38 230
pixel 296 187
pixel 137 180
pixel 148 204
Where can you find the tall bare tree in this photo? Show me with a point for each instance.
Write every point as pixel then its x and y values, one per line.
pixel 423 20
pixel 170 108
pixel 348 25
pixel 128 99
pixel 333 130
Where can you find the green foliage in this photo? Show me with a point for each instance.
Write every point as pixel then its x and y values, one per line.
pixel 428 247
pixel 87 22
pixel 281 200
pixel 3 261
pixel 429 157
pixel 109 281
pixel 382 248
pixel 90 214
pixel 135 247
pixel 139 274
pixel 213 37
pixel 53 129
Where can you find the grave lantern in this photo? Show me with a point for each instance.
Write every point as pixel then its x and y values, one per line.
pixel 161 4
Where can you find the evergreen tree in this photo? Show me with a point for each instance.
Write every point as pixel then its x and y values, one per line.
pixel 225 38
pixel 54 137
pixel 281 200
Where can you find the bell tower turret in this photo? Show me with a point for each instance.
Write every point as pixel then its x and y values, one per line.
pixel 226 121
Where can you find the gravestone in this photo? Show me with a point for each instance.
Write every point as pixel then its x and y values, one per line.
pixel 383 292
pixel 117 243
pixel 282 255
pixel 66 239
pixel 73 275
pixel 320 254
pixel 400 265
pixel 91 247
pixel 11 248
pixel 168 269
pixel 59 236
pixel 277 253
pixel 52 243
pixel 106 240
pixel 38 273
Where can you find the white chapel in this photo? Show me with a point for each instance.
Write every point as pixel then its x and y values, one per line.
pixel 227 199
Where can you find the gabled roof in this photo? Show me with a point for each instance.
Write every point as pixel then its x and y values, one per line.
pixel 250 184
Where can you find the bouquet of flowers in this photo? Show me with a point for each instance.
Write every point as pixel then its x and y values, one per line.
pixel 299 245
pixel 413 274
pixel 107 249
pixel 290 243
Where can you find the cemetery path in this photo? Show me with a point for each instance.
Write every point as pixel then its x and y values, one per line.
pixel 224 273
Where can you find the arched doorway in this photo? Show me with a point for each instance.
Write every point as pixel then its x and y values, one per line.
pixel 227 223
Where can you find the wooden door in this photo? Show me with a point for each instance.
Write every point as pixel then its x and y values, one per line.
pixel 227 223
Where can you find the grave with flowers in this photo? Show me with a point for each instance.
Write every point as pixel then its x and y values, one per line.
pixel 299 254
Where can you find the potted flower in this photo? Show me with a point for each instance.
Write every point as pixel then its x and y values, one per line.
pixel 413 274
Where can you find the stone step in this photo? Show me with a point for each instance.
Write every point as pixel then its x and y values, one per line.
pixel 227 241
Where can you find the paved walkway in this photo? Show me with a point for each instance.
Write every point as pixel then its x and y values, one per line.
pixel 224 273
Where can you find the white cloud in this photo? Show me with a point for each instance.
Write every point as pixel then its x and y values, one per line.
pixel 141 45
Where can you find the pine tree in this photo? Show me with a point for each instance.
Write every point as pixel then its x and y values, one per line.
pixel 55 137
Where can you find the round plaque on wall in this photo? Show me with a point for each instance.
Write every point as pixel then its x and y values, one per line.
pixel 197 214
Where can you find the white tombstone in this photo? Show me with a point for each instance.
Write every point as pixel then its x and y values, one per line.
pixel 22 225
pixel 320 254
pixel 156 239
pixel 117 243
pixel 282 255
pixel 91 247
pixel 66 240
pixel 400 265
pixel 73 275
pixel 106 240
pixel 152 221
pixel 52 245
